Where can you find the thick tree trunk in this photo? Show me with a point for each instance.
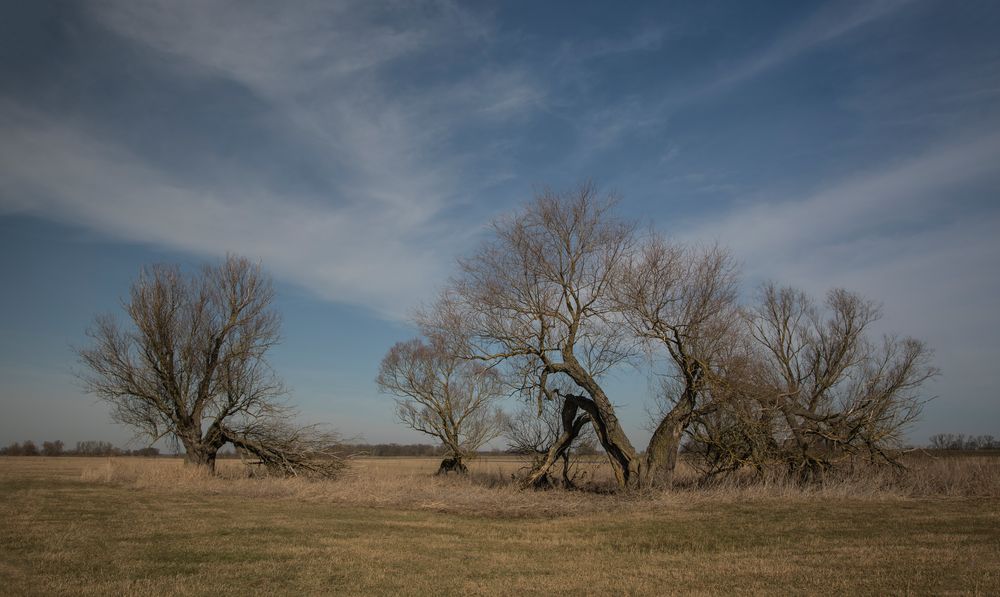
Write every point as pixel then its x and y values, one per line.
pixel 198 452
pixel 201 456
pixel 660 460
pixel 621 454
pixel 452 463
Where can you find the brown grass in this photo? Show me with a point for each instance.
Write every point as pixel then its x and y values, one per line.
pixel 408 483
pixel 130 526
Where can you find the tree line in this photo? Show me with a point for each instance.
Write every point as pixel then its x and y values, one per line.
pixel 84 448
pixel 563 294
pixel 952 441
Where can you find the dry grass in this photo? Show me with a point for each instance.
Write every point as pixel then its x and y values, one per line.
pixel 408 483
pixel 129 526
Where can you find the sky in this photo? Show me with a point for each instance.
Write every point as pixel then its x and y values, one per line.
pixel 357 149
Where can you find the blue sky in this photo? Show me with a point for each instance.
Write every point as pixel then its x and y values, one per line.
pixel 358 148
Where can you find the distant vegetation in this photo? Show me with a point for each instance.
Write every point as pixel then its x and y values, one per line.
pixel 951 441
pixel 87 448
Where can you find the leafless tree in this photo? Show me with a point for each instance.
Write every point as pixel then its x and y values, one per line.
pixel 681 302
pixel 190 364
pixel 440 394
pixel 536 299
pixel 830 389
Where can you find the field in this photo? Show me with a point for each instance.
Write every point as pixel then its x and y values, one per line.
pixel 133 526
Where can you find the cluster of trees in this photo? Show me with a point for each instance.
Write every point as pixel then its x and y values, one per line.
pixel 564 292
pixel 425 450
pixel 85 448
pixel 952 441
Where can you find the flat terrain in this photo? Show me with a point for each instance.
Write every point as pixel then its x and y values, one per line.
pixel 130 526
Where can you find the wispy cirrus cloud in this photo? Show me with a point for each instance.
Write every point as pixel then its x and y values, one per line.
pixel 636 114
pixel 330 71
pixel 832 21
pixel 362 253
pixel 332 76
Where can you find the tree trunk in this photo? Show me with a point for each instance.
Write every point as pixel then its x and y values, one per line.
pixel 452 463
pixel 621 455
pixel 661 454
pixel 200 456
pixel 660 460
pixel 198 452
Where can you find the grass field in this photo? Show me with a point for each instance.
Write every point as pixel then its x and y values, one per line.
pixel 132 526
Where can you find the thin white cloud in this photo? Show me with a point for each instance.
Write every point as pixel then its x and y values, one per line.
pixel 826 25
pixel 830 22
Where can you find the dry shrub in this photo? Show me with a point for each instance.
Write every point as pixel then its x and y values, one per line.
pixel 490 489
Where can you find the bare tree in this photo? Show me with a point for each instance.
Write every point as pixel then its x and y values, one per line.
pixel 830 389
pixel 536 299
pixel 440 394
pixel 681 302
pixel 191 365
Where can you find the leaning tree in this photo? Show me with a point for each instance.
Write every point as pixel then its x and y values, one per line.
pixel 442 395
pixel 535 300
pixel 190 364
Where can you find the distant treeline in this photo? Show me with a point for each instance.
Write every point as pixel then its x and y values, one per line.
pixel 940 441
pixel 428 450
pixel 98 448
pixel 390 450
pixel 959 441
pixel 87 448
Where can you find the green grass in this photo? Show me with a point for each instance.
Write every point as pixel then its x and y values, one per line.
pixel 61 534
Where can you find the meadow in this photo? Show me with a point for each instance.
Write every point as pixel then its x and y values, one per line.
pixel 95 526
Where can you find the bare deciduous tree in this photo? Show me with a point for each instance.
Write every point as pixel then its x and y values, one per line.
pixel 681 302
pixel 536 299
pixel 823 387
pixel 191 365
pixel 440 394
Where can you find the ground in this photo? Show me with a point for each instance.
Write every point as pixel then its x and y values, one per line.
pixel 131 526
